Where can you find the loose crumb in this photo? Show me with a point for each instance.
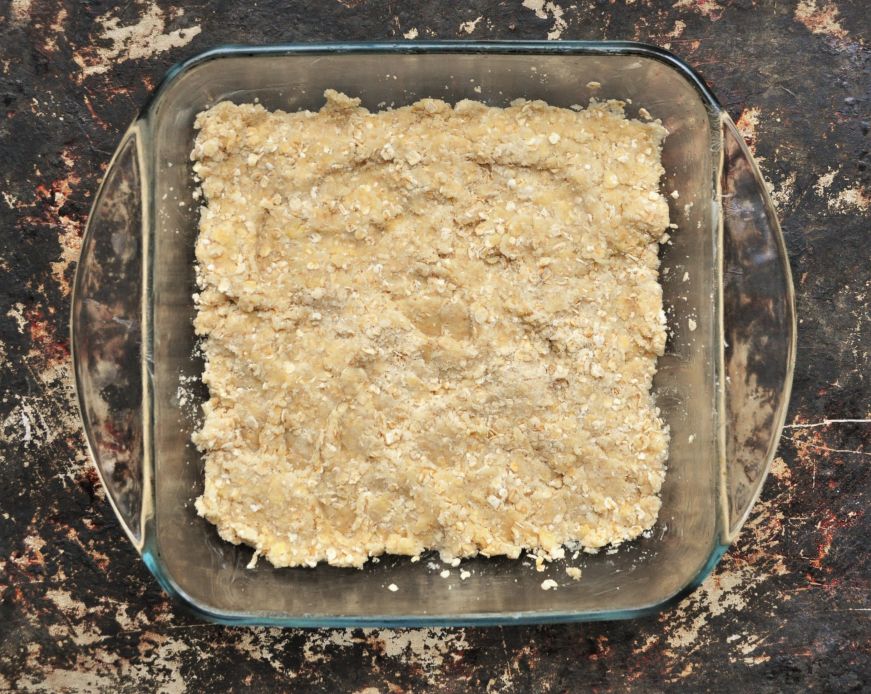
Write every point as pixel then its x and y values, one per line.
pixel 574 572
pixel 393 587
pixel 433 327
pixel 549 584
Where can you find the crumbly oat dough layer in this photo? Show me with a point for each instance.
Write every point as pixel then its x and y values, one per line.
pixel 433 327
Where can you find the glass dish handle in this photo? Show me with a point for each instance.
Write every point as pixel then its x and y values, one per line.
pixel 758 329
pixel 106 335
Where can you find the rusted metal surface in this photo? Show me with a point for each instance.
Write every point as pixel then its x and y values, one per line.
pixel 788 608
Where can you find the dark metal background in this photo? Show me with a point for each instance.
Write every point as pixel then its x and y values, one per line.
pixel 788 609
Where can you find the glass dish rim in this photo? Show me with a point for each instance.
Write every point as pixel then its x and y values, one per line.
pixel 146 544
pixel 498 47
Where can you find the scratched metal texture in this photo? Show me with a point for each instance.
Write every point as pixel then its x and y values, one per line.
pixel 789 607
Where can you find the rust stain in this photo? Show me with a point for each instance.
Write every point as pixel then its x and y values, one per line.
pixel 50 203
pixel 747 123
pixel 710 9
pixel 31 557
pixel 821 20
pixel 828 527
pixel 812 443
pixel 44 338
pixel 103 124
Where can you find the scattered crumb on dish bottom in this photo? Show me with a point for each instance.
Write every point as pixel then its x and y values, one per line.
pixel 432 327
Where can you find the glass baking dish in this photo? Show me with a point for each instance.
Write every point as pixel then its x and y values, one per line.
pixel 722 386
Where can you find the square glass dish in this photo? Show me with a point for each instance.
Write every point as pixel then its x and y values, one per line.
pixel 723 384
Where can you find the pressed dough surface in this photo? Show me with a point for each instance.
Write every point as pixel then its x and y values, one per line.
pixel 432 327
